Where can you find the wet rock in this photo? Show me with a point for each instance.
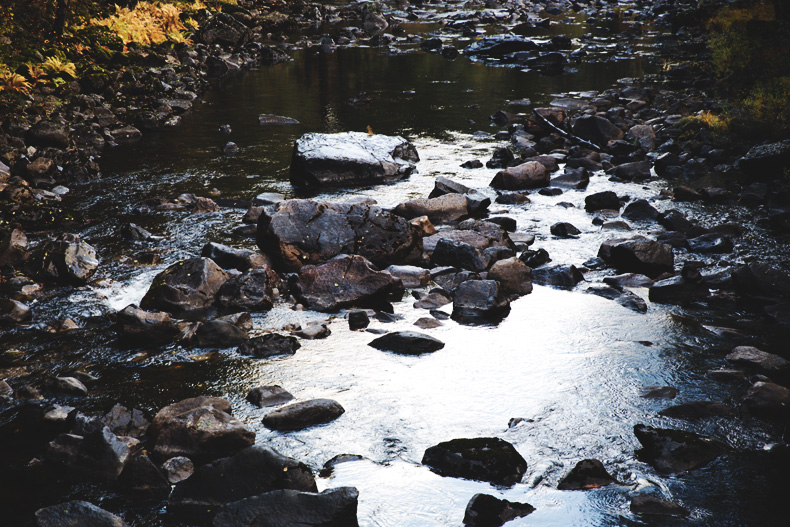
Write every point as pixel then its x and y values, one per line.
pixel 647 505
pixel 232 258
pixel 125 422
pixel 134 232
pixel 676 239
pixel 407 343
pixel 512 198
pixel 484 459
pixel 697 410
pixel 427 323
pixel 531 174
pixel 587 474
pixel 350 158
pixel 501 158
pixel 766 160
pixel 564 230
pixel 269 345
pixel 13 247
pixel 343 282
pixel 137 325
pixel 99 454
pixel 602 200
pixel 710 243
pixel 267 119
pixel 484 510
pixel 566 276
pixel 199 428
pixel 313 331
pixel 330 465
pixel 335 507
pixel 595 129
pixel 658 392
pixel 678 290
pixel 640 209
pixel 230 148
pixel 479 301
pixel 65 260
pixel 433 300
pixel 302 232
pixel 638 256
pixel 410 275
pixel 252 291
pixel 457 254
pixel 672 451
pixel 142 478
pixel 576 178
pixel 535 258
pixel 298 416
pixel 177 469
pixel 513 275
pixel 634 171
pixel 14 312
pixel 498 46
pixel 726 374
pixel 357 319
pixel 472 163
pixel 628 280
pixel 674 220
pixel 77 513
pixel 186 288
pixel 768 400
pixel 67 385
pixel 442 209
pixel 751 356
pixel 263 396
pixel 219 333
pixel 761 280
pixel 126 135
pixel 507 223
pixel 251 472
pixel 223 29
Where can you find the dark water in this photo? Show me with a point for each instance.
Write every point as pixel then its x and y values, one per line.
pixel 570 363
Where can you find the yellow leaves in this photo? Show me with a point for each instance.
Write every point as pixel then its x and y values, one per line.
pixel 13 82
pixel 58 66
pixel 148 23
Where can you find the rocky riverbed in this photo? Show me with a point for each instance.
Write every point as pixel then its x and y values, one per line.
pixel 564 310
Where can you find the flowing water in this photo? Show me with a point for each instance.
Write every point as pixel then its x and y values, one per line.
pixel 569 364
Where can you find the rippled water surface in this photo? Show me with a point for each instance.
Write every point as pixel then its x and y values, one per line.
pixel 570 364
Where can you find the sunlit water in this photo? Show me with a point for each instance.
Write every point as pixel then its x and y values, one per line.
pixel 569 363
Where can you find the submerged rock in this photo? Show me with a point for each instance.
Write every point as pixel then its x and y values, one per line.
pixel 335 507
pixel 200 428
pixel 298 416
pixel 587 474
pixel 485 510
pixel 295 233
pixel 407 343
pixel 77 514
pixel 250 472
pixel 350 158
pixel 343 282
pixel 697 410
pixel 671 451
pixel 645 504
pixel 484 459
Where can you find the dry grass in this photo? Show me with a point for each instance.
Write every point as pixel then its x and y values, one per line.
pixel 148 23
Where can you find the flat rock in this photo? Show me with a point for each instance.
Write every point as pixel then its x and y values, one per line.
pixel 350 158
pixel 301 415
pixel 407 343
pixel 137 325
pixel 751 356
pixel 484 459
pixel 77 514
pixel 442 209
pixel 335 507
pixel 671 451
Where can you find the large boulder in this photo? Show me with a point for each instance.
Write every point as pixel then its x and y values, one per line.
pixel 301 415
pixel 98 454
pixel 186 288
pixel 137 325
pixel 77 514
pixel 48 133
pixel 766 160
pixel 200 428
pixel 251 472
pixel 441 209
pixel 602 200
pixel 484 459
pixel 290 508
pixel 647 257
pixel 457 254
pixel 295 233
pixel 407 343
pixel 351 158
pixel 670 451
pixel 252 291
pixel 484 510
pixel 232 258
pixel 595 129
pixel 65 260
pixel 531 174
pixel 479 301
pixel 343 282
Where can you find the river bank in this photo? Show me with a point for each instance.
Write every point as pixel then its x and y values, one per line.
pixel 395 444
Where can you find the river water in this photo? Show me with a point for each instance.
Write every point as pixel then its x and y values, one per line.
pixel 570 364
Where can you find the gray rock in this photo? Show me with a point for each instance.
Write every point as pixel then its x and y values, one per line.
pixel 564 276
pixel 640 209
pixel 484 459
pixel 199 428
pixel 710 243
pixel 639 256
pixel 658 392
pixel 602 200
pixel 222 28
pixel 268 119
pixel 232 258
pixel 290 508
pixel 301 415
pixel 410 275
pixel 628 280
pixel 270 345
pixel 407 343
pixel 14 312
pixel 13 247
pixel 68 385
pixel 751 356
pixel 457 254
pixel 350 158
pixel 144 479
pixel 564 230
pixel 252 291
pixel 313 331
pixel 442 209
pixel 513 275
pixel 478 301
pixel 678 290
pixel 262 396
pixel 186 288
pixel 531 174
pixel 178 469
pixel 768 158
pixel 48 133
pixel 634 171
pixel 77 514
pixel 65 260
pixel 301 232
pixel 219 333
